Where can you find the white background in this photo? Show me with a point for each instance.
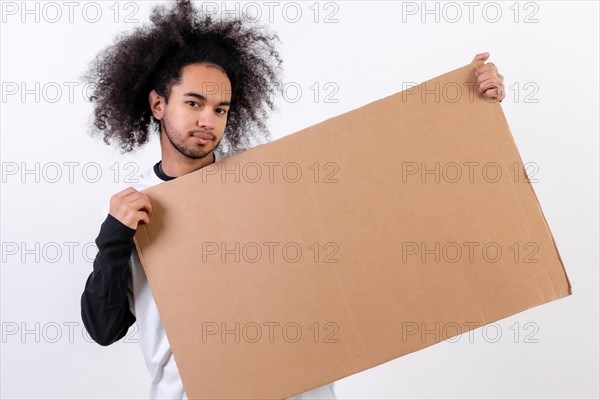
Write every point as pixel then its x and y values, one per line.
pixel 551 64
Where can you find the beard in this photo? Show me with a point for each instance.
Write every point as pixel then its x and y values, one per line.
pixel 195 151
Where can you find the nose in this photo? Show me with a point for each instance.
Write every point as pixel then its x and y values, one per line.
pixel 206 119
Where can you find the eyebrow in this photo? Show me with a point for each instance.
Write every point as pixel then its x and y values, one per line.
pixel 201 97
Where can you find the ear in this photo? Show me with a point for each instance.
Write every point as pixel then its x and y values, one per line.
pixel 157 104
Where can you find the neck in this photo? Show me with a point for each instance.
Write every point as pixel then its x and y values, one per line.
pixel 175 164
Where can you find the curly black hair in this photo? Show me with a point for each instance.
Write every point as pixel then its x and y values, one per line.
pixel 151 57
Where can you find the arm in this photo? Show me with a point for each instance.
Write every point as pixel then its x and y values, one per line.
pixel 104 303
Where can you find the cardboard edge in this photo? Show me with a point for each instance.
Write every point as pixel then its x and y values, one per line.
pixel 506 317
pixel 500 113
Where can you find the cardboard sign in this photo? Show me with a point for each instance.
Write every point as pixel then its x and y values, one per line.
pixel 337 248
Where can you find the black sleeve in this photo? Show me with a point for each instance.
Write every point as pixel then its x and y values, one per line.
pixel 104 303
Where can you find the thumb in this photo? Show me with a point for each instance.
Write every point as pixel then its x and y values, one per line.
pixel 481 56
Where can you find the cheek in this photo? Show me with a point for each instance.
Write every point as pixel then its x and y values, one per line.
pixel 183 118
pixel 181 113
pixel 222 123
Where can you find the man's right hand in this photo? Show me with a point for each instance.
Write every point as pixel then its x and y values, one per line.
pixel 130 207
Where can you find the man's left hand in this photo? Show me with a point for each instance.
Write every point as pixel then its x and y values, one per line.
pixel 490 81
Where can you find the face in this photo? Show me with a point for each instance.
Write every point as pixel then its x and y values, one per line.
pixel 194 119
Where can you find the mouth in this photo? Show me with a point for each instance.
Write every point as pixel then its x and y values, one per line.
pixel 202 138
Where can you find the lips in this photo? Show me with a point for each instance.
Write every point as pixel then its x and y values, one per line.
pixel 204 136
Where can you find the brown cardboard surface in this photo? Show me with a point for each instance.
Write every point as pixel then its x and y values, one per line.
pixel 347 257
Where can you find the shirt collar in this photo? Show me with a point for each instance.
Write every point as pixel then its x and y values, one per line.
pixel 163 176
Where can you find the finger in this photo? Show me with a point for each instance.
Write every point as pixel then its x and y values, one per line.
pixel 130 198
pixel 486 67
pixel 487 76
pixel 488 84
pixel 494 93
pixel 500 93
pixel 125 192
pixel 143 217
pixel 141 204
pixel 489 67
pixel 481 56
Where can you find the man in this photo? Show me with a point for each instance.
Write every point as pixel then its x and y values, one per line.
pixel 205 85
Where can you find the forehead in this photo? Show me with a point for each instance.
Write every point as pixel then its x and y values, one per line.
pixel 206 79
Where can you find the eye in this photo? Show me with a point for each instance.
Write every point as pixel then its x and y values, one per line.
pixel 192 103
pixel 222 111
